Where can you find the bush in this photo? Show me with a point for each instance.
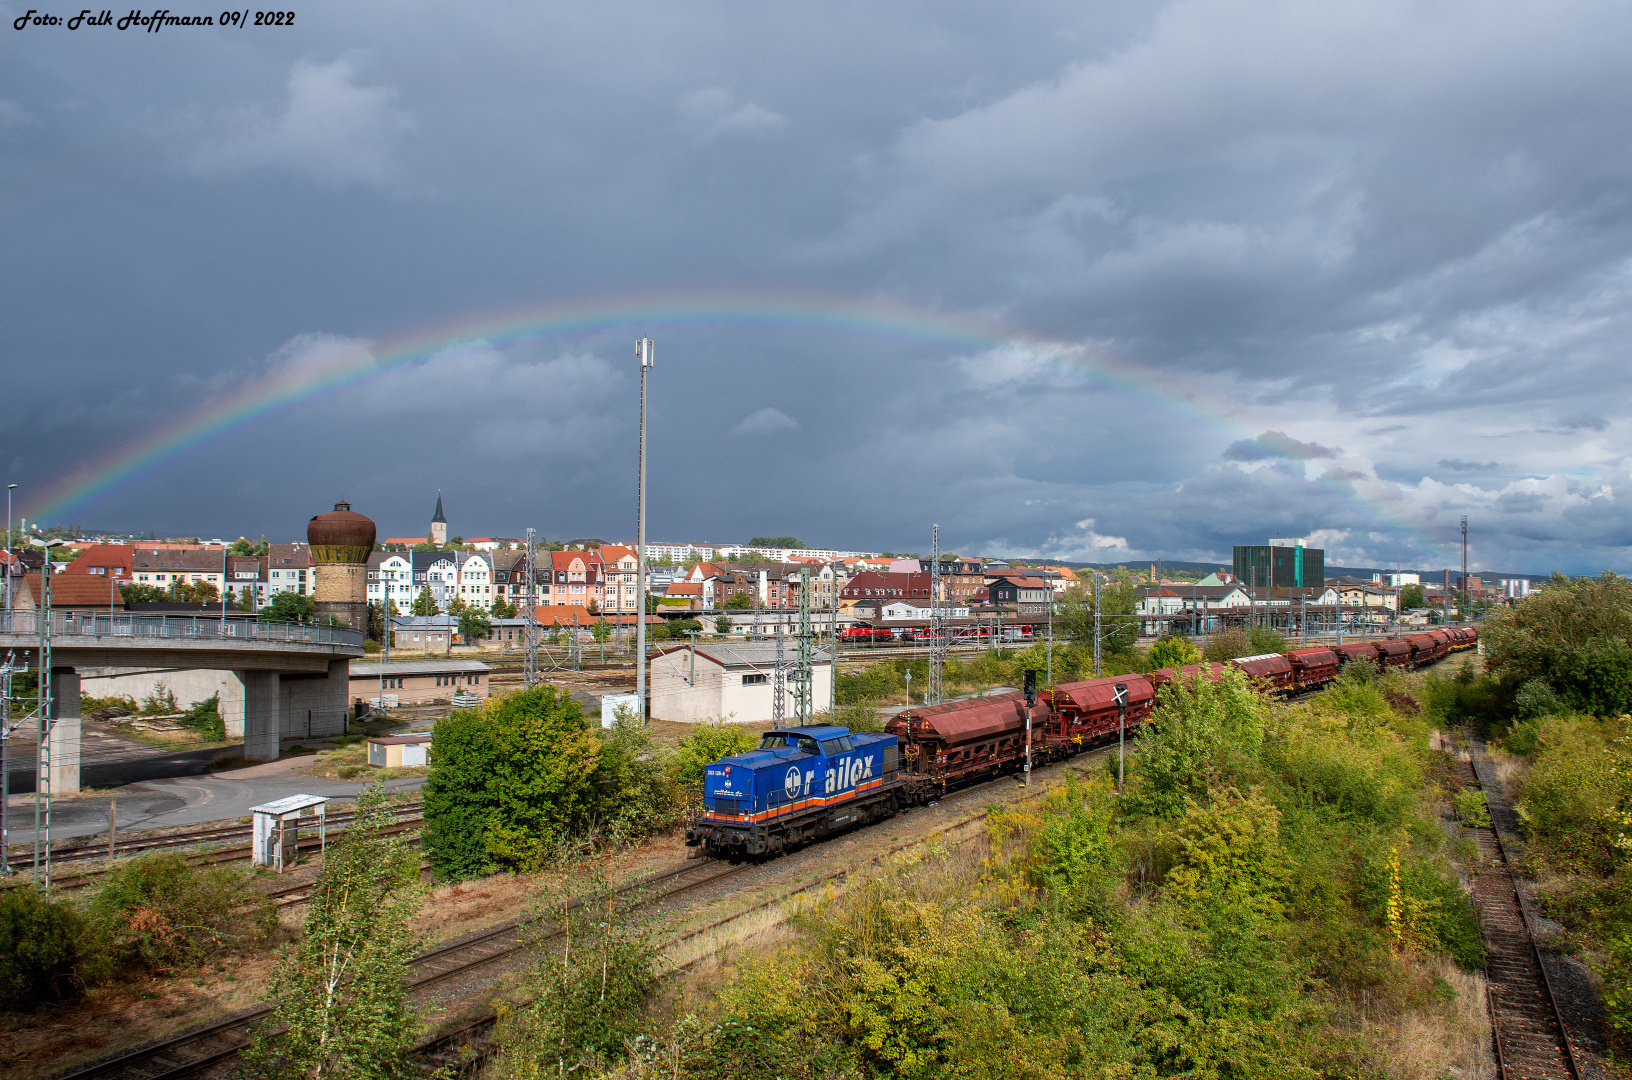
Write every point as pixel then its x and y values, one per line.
pixel 1570 796
pixel 1227 645
pixel 1195 727
pixel 708 742
pixel 1173 651
pixel 40 948
pixel 1264 640
pixel 158 910
pixel 205 718
pixel 507 781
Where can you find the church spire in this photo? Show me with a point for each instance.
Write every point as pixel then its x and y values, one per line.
pixel 439 518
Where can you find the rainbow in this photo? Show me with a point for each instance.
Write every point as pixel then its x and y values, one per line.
pixel 348 368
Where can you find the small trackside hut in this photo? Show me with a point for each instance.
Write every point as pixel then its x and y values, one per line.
pixel 801 784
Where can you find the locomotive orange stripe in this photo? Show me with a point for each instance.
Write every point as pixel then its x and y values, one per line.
pixel 814 800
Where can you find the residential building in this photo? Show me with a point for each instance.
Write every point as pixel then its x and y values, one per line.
pixel 872 586
pixel 391 577
pixel 494 543
pixel 732 681
pixel 620 574
pixel 87 594
pixel 105 560
pixel 577 578
pixel 1025 595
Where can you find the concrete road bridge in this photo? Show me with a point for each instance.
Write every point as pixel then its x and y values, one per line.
pixel 269 673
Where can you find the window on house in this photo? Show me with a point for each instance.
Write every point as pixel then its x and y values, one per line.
pixel 757 679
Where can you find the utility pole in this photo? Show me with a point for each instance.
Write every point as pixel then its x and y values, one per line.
pixel 937 624
pixel 778 705
pixel 1096 623
pixel 1467 594
pixel 646 350
pixel 833 647
pixel 529 629
pixel 803 668
pixel 9 489
pixel 5 763
pixel 43 711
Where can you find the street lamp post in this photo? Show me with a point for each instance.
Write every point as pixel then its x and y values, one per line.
pixel 9 489
pixel 646 351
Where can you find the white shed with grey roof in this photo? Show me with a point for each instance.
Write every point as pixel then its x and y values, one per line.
pixel 730 680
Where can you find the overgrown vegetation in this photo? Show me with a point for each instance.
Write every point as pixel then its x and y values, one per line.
pixel 151 915
pixel 518 782
pixel 1556 697
pixel 341 997
pixel 1271 897
pixel 597 965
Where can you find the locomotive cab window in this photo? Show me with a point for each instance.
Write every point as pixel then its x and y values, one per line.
pixel 835 746
pixel 803 743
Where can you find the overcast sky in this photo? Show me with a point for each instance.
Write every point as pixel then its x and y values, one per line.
pixel 1227 270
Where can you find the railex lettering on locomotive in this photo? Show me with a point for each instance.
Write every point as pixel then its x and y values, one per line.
pixel 803 783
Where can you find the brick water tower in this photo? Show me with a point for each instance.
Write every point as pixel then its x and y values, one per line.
pixel 341 542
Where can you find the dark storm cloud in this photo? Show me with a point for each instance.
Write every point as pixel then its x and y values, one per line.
pixel 1393 239
pixel 1274 444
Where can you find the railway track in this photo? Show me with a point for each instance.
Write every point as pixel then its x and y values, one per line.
pixel 236 853
pixel 1528 1033
pixel 198 1050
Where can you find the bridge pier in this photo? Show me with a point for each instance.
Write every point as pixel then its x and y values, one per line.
pixel 65 732
pixel 262 724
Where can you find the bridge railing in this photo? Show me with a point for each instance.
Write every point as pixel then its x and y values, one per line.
pixel 193 627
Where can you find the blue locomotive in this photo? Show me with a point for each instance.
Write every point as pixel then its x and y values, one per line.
pixel 801 784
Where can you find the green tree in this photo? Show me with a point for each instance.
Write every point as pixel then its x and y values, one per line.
pixel 506 781
pixel 593 608
pixel 143 594
pixel 1575 635
pixel 196 592
pixel 654 604
pixel 502 608
pixel 724 624
pixel 474 625
pixel 425 603
pixel 289 607
pixel 1173 651
pixel 738 601
pixel 600 631
pixel 246 600
pixel 342 999
pixel 1118 607
pixel 775 542
pixel 1412 596
pixel 243 547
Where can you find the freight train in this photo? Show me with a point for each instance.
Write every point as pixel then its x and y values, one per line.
pixel 803 783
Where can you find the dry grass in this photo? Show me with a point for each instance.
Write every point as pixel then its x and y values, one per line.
pixel 1430 1043
pixel 349 761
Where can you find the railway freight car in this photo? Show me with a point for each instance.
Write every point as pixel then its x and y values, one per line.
pixel 1210 671
pixel 1274 668
pixel 1312 668
pixel 947 745
pixel 1085 712
pixel 801 784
